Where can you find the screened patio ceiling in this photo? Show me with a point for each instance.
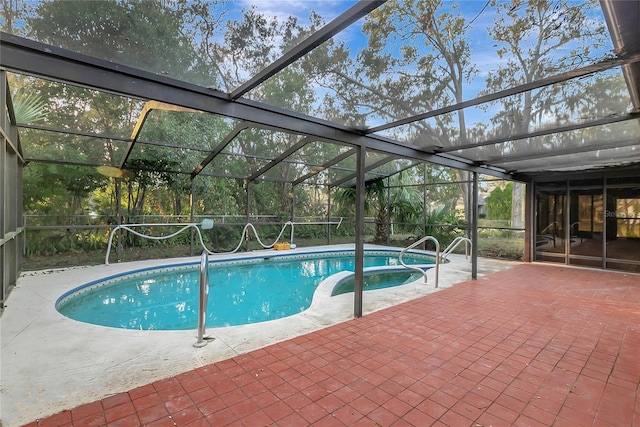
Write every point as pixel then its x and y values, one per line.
pixel 286 91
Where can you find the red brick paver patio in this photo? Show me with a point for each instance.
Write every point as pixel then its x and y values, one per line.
pixel 532 346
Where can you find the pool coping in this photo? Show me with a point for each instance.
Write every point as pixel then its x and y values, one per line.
pixel 51 363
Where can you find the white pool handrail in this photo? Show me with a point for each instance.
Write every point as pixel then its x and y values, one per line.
pixel 413 245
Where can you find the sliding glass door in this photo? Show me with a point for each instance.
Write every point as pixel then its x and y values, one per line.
pixel 550 223
pixel 623 225
pixel 591 222
pixel 584 239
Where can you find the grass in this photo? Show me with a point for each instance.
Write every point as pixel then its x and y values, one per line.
pixel 96 257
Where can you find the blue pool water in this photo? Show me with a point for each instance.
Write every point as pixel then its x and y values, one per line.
pixel 241 291
pixel 373 280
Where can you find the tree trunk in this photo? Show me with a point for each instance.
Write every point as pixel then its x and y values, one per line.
pixel 382 226
pixel 517 205
pixel 177 207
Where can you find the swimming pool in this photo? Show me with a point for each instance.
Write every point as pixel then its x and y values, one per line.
pixel 242 291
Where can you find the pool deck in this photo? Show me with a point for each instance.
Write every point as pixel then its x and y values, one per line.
pixel 50 363
pixel 534 345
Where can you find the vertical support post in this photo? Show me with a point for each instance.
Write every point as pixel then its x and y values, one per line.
pixel 566 227
pixel 246 237
pixel 529 221
pixel 555 217
pixel 474 228
pixel 292 204
pixel 328 215
pixel 468 184
pixel 11 206
pixel 191 217
pixel 591 228
pixel 5 202
pixel 359 238
pixel 424 203
pixel 604 223
pixel 119 219
pixel 292 213
pixel 3 99
pixel 388 240
pixel 21 238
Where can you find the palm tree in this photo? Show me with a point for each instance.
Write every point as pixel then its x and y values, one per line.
pixel 29 108
pixel 399 202
pixel 443 224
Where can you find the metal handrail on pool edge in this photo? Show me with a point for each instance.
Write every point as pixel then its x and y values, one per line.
pixel 416 243
pixel 204 298
pixel 455 244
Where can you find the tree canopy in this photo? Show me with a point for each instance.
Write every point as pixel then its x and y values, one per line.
pixel 412 57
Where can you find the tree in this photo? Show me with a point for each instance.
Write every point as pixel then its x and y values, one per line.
pixel 499 203
pixel 58 189
pixel 142 34
pixel 28 107
pixel 532 36
pixel 12 16
pixel 417 59
pixel 385 202
pixel 119 31
pixel 236 50
pixel 190 136
pixel 443 224
pixel 49 187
